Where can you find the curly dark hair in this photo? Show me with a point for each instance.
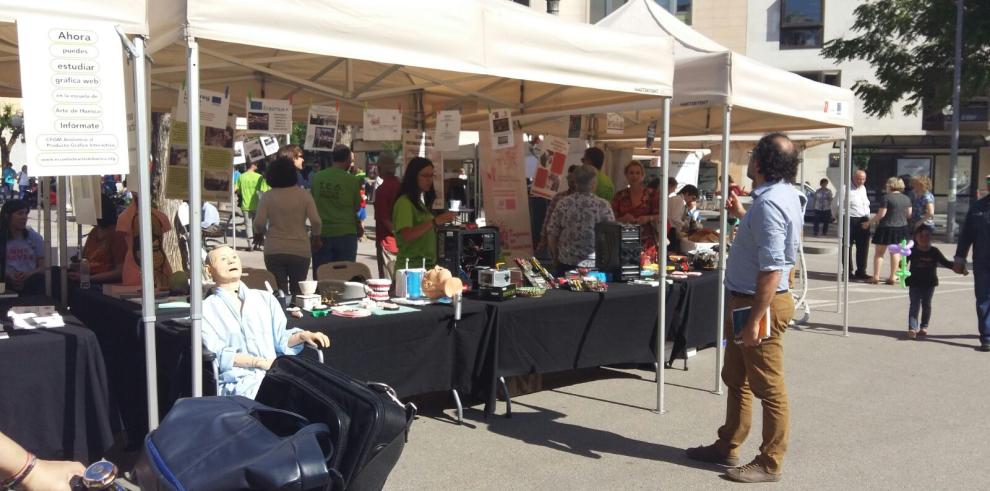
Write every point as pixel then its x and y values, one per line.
pixel 281 173
pixel 776 158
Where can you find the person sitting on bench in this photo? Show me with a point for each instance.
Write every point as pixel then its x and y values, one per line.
pixel 246 328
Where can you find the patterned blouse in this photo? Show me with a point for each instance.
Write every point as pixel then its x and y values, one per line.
pixel 648 205
pixel 573 225
pixel 920 207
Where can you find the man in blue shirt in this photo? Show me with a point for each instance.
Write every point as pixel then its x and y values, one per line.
pixel 976 233
pixel 763 253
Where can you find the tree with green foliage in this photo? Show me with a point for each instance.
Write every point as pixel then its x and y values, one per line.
pixel 910 44
pixel 7 116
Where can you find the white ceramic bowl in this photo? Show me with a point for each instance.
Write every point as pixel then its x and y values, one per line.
pixel 307 287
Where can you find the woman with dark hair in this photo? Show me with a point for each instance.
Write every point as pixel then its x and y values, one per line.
pixel 25 249
pixel 294 153
pixel 105 248
pixel 639 205
pixel 282 215
pixel 412 219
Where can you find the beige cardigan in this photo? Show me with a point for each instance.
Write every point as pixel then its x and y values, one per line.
pixel 283 211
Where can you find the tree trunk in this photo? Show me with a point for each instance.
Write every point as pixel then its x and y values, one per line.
pixel 4 154
pixel 161 129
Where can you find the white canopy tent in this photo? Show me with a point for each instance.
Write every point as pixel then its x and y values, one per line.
pixel 471 56
pixel 130 16
pixel 753 98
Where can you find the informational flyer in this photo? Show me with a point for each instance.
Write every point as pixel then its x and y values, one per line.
pixel 213 108
pixel 239 153
pixel 501 128
pixel 382 124
pixel 448 131
pixel 72 88
pixel 269 144
pixel 216 156
pixel 549 176
pixel 269 116
pixel 321 129
pixel 254 150
pixel 615 125
pixel 504 190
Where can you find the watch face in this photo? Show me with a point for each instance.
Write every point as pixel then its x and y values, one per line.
pixel 100 474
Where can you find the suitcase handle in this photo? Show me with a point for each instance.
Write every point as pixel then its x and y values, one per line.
pixel 410 408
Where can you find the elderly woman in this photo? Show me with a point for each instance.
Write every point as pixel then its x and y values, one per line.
pixel 571 233
pixel 923 207
pixel 892 228
pixel 638 204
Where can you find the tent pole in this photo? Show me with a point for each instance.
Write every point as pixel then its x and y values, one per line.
pixel 195 231
pixel 45 199
pixel 63 241
pixel 841 264
pixel 142 119
pixel 722 243
pixel 848 168
pixel 661 366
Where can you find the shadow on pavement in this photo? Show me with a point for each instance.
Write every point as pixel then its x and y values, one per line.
pixel 543 428
pixel 818 328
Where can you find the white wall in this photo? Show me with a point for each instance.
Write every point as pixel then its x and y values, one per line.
pixel 763 44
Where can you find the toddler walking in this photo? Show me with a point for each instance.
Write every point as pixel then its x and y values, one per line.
pixel 924 260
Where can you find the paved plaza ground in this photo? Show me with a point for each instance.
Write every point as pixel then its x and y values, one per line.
pixel 869 411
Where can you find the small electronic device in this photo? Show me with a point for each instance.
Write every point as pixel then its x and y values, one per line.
pixel 497 293
pixel 618 250
pixel 494 277
pixel 308 302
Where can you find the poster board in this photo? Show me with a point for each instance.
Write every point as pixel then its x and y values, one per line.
pixel 501 128
pixel 213 108
pixel 614 124
pixel 321 129
pixel 382 124
pixel 73 91
pixel 269 116
pixel 505 202
pixel 448 131
pixel 552 155
pixel 216 156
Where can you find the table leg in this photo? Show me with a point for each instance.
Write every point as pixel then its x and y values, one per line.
pixel 508 400
pixel 460 408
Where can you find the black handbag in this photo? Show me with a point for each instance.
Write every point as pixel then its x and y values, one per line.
pixel 228 443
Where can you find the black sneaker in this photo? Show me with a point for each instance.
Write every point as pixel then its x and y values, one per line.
pixel 711 455
pixel 985 347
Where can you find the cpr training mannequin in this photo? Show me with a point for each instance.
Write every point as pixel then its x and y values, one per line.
pixel 245 328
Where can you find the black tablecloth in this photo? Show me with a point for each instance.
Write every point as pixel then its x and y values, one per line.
pixel 53 399
pixel 569 330
pixel 117 324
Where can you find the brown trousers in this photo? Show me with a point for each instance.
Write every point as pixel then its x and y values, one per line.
pixel 757 371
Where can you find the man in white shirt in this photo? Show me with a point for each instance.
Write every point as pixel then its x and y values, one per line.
pixel 859 212
pixel 245 328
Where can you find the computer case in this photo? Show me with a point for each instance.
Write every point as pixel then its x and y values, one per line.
pixel 617 250
pixel 461 250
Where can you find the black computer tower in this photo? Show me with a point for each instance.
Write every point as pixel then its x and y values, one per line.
pixel 618 250
pixel 461 250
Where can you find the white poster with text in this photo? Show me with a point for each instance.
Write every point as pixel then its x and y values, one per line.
pixel 501 128
pixel 213 108
pixel 72 84
pixel 448 132
pixel 382 125
pixel 269 116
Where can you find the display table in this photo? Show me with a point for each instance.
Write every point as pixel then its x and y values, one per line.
pixel 118 327
pixel 567 330
pixel 54 399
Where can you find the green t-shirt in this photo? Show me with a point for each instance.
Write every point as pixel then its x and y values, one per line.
pixel 605 189
pixel 250 184
pixel 405 215
pixel 338 197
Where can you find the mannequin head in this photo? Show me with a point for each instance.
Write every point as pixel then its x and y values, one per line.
pixel 224 266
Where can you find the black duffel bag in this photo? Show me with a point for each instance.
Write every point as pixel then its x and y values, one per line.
pixel 228 443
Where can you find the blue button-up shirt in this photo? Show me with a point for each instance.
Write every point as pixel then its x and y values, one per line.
pixel 767 239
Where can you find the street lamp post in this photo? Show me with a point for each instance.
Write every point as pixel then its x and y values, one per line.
pixel 950 226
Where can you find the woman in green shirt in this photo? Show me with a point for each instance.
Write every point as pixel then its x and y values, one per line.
pixel 412 219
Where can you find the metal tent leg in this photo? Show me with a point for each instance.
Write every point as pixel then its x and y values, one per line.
pixel 508 400
pixel 460 408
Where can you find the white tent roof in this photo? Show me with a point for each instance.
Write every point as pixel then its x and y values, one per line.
pixel 129 14
pixel 708 75
pixel 471 55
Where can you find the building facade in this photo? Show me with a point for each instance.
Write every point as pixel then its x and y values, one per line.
pixel 789 34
